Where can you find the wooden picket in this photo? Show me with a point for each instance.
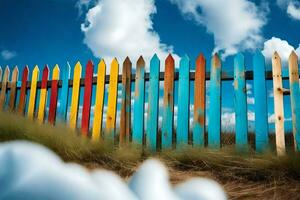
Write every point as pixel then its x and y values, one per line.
pixel 139 99
pixel 151 137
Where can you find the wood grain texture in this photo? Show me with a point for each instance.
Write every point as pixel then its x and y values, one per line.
pixel 214 126
pixel 4 87
pixel 153 104
pixel 295 98
pixel 86 109
pixel 23 91
pixel 125 120
pixel 183 102
pixel 53 95
pixel 99 102
pixel 168 104
pixel 43 95
pixel 278 104
pixel 112 99
pixel 32 95
pixel 261 108
pixel 75 96
pixel 64 96
pixel 13 89
pixel 240 102
pixel 199 102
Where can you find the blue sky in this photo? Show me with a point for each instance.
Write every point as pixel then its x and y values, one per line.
pixel 56 31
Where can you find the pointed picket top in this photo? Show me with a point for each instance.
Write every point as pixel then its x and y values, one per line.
pixel 45 76
pixel 6 72
pixel 154 65
pixel 127 61
pixel 258 54
pixel 293 55
pixel 200 58
pixel 102 63
pixel 276 56
pixel 15 74
pixel 185 59
pixel 154 58
pixel 55 73
pixel 216 60
pixel 90 64
pixel 35 70
pixel 115 61
pixel 170 59
pixel 141 61
pixel 77 66
pixel 239 56
pixel 68 70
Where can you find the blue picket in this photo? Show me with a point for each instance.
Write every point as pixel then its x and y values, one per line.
pixel 240 102
pixel 152 117
pixel 139 100
pixel 214 126
pixel 63 107
pixel 260 96
pixel 183 101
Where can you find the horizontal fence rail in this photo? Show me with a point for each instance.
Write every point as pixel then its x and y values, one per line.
pixel 141 126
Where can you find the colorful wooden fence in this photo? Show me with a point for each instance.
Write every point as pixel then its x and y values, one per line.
pixel 144 129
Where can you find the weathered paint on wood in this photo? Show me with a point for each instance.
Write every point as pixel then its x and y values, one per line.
pixel 63 107
pixel 153 104
pixel 32 95
pixel 112 99
pixel 295 98
pixel 240 102
pixel 75 96
pixel 199 102
pixel 278 104
pixel 4 87
pixel 139 103
pixel 23 91
pixel 168 103
pixel 88 84
pixel 53 95
pixel 125 121
pixel 183 102
pixel 13 88
pixel 260 96
pixel 214 126
pixel 43 95
pixel 99 102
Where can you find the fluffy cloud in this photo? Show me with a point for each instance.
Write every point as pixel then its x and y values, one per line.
pixel 7 55
pixel 283 48
pixel 30 171
pixel 120 28
pixel 235 24
pixel 293 10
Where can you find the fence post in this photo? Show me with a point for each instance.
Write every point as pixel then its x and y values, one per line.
pixel 99 102
pixel 86 108
pixel 32 96
pixel 125 121
pixel 4 87
pixel 199 102
pixel 240 102
pixel 183 115
pixel 64 96
pixel 139 103
pixel 23 91
pixel 278 104
pixel 153 104
pixel 214 126
pixel 260 97
pixel 13 88
pixel 168 103
pixel 43 94
pixel 112 99
pixel 295 98
pixel 75 96
pixel 53 95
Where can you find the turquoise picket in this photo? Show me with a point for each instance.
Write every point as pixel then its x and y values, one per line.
pixel 139 100
pixel 240 102
pixel 214 125
pixel 153 104
pixel 63 108
pixel 260 104
pixel 183 101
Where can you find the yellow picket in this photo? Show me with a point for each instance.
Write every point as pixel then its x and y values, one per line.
pixel 75 96
pixel 112 97
pixel 32 96
pixel 43 95
pixel 3 88
pixel 98 109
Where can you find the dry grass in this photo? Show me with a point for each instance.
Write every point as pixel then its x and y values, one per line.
pixel 244 176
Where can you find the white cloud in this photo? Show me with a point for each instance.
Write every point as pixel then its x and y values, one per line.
pixel 283 48
pixel 293 10
pixel 235 24
pixel 120 28
pixel 7 55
